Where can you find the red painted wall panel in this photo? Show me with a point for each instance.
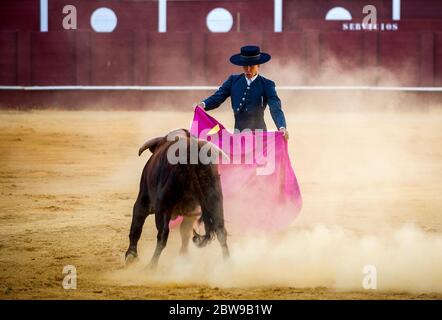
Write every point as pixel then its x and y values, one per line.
pixel 168 59
pixel 127 58
pixel 188 54
pixel 112 58
pixel 438 59
pixel 197 58
pixel 288 51
pixel 430 9
pixel 140 61
pixel 420 25
pixel 399 56
pixel 24 58
pixel 8 58
pixel 83 58
pixel 348 58
pixel 53 58
pixel 20 15
pixel 426 61
pixel 342 48
pixel 285 47
pixel 370 57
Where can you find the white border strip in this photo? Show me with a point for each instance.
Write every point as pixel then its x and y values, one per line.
pixel 360 88
pixel 277 15
pixel 396 8
pixel 43 15
pixel 162 16
pixel 198 88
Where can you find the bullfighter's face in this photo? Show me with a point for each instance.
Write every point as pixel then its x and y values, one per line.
pixel 251 71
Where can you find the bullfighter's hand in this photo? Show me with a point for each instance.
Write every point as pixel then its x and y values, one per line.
pixel 201 105
pixel 285 133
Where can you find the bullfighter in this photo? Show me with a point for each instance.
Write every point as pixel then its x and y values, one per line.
pixel 250 93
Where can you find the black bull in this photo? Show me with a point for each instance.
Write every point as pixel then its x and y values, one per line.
pixel 168 190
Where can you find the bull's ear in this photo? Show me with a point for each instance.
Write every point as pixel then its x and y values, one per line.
pixel 150 144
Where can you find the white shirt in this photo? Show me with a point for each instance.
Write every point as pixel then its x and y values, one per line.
pixel 249 81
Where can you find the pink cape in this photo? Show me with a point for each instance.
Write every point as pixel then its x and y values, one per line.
pixel 263 202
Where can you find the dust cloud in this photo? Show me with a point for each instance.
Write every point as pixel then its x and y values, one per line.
pixel 370 181
pixel 405 259
pixel 368 164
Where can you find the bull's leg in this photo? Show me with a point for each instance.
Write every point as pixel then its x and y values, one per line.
pixel 221 235
pixel 140 212
pixel 186 232
pixel 217 225
pixel 213 207
pixel 162 220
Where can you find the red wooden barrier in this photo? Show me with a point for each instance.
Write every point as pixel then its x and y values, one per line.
pixel 136 54
pixel 112 58
pixel 168 59
pixel 438 59
pixel 289 57
pixel 8 58
pixel 20 15
pixel 129 58
pixel 53 60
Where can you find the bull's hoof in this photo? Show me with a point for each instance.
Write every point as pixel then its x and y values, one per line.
pixel 131 257
pixel 198 240
pixel 152 266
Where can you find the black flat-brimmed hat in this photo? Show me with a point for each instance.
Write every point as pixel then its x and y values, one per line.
pixel 249 56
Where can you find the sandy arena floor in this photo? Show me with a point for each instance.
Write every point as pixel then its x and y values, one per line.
pixel 371 184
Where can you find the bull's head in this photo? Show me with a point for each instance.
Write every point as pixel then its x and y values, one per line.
pixel 176 135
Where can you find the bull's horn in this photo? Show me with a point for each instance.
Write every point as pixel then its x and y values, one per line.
pixel 149 144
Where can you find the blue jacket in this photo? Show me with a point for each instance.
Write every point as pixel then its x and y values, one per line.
pixel 249 102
